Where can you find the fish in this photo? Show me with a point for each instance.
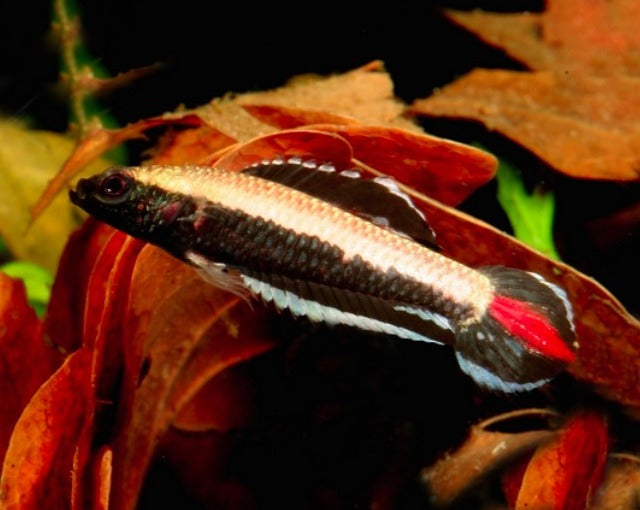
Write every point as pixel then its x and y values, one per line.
pixel 341 249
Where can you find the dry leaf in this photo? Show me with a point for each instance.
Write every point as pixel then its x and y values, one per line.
pixel 594 35
pixel 583 126
pixel 482 454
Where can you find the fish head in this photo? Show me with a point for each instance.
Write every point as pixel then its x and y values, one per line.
pixel 120 197
pixel 112 197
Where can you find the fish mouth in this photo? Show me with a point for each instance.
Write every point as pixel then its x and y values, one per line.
pixel 83 189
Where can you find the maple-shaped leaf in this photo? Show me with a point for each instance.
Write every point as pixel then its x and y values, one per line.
pixel 582 125
pixel 594 35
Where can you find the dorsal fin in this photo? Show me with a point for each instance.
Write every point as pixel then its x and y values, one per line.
pixel 378 200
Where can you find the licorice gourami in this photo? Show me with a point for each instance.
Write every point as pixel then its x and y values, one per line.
pixel 340 249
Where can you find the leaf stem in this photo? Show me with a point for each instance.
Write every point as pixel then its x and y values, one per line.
pixel 67 29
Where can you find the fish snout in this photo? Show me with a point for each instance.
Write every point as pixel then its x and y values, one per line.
pixel 84 188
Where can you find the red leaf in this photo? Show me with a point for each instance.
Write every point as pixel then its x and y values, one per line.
pixel 482 453
pixel 106 301
pixel 190 146
pixel 609 336
pixel 565 473
pixel 25 360
pixel 37 468
pixel 445 170
pixel 173 326
pixel 63 324
pixel 305 143
pixel 287 117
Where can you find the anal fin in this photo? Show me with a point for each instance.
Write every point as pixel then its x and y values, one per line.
pixel 333 306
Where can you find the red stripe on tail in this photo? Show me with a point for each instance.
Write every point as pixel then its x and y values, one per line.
pixel 528 324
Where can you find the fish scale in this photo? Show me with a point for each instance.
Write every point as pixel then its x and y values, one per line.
pixel 339 249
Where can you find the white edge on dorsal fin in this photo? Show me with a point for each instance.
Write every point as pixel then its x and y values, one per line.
pixel 393 187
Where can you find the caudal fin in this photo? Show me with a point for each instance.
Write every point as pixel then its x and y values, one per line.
pixel 525 336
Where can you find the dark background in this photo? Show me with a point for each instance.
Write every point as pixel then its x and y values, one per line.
pixel 210 48
pixel 333 418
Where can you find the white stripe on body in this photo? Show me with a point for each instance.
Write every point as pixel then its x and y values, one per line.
pixel 302 213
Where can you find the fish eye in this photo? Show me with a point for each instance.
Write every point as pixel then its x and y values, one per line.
pixel 115 186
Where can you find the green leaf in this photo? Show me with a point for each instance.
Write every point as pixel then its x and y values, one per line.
pixel 531 215
pixel 37 282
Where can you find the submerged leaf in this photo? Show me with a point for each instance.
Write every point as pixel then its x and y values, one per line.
pixel 564 473
pixel 621 486
pixel 583 126
pixel 483 453
pixel 596 35
pixel 28 159
pixel 531 215
pixel 25 360
pixel 176 327
pixel 91 147
pixel 37 282
pixel 36 469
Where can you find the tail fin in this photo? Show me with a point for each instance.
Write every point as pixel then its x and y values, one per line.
pixel 525 336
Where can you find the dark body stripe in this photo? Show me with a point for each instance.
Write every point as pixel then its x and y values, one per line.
pixel 288 260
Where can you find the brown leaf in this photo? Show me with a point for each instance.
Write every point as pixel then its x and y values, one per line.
pixel 445 170
pixel 564 473
pixel 621 486
pixel 609 336
pixel 103 331
pixel 96 143
pixel 103 472
pixel 63 323
pixel 25 360
pixel 364 94
pixel 305 143
pixel 37 467
pixel 584 126
pixel 595 35
pixel 173 326
pixel 483 452
pixel 190 146
pixel 222 403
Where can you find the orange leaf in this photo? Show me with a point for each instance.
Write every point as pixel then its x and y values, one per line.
pixel 445 170
pixel 25 360
pixel 583 126
pixel 96 143
pixel 482 453
pixel 596 35
pixel 305 143
pixel 563 474
pixel 37 468
pixel 609 336
pixel 106 301
pixel 63 324
pixel 364 95
pixel 170 321
pixel 189 146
